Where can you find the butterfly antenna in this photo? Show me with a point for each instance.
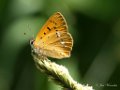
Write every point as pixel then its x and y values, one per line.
pixel 29 27
pixel 33 36
pixel 30 30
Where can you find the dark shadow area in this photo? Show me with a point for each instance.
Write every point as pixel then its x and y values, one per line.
pixel 23 70
pixel 94 34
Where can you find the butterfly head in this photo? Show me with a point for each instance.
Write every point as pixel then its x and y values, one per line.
pixel 34 48
pixel 32 45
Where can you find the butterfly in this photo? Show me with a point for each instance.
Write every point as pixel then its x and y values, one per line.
pixel 53 40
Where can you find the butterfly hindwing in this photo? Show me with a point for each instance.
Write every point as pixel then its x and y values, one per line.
pixel 61 46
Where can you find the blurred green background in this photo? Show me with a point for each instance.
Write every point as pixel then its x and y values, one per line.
pixel 94 25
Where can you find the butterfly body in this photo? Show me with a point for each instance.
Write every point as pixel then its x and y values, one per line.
pixel 53 40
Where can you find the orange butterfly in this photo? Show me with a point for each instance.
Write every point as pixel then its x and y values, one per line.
pixel 53 40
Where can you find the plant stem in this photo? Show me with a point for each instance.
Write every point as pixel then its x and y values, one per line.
pixel 58 73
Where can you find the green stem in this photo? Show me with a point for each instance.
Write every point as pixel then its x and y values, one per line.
pixel 58 73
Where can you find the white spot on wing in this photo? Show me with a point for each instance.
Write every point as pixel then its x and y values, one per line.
pixel 62 43
pixel 58 34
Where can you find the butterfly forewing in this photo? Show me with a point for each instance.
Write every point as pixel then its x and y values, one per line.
pixel 53 39
pixel 55 22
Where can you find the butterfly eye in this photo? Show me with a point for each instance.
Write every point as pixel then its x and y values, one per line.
pixel 31 42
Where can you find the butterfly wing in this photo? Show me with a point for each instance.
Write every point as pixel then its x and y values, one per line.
pixel 59 47
pixel 54 39
pixel 55 21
